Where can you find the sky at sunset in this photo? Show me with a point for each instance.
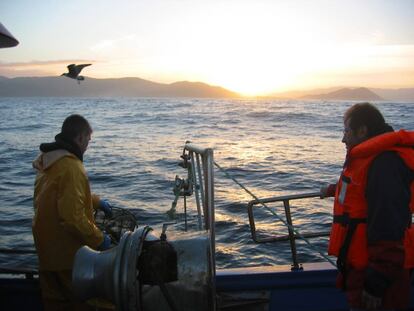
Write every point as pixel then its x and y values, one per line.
pixel 253 47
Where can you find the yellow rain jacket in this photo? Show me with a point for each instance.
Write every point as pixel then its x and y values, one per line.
pixel 64 207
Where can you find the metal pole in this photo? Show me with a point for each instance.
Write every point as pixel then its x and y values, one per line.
pixel 196 190
pixel 291 235
pixel 185 212
pixel 209 166
pixel 200 182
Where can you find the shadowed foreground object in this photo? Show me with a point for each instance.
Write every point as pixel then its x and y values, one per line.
pixel 6 38
pixel 74 71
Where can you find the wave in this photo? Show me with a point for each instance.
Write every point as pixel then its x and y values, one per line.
pixel 272 147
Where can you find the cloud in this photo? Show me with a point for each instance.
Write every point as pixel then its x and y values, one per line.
pixel 38 68
pixel 103 45
pixel 109 44
pixel 45 63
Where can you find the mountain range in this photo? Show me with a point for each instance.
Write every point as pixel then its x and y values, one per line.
pixel 350 93
pixel 121 87
pixel 136 87
pixel 360 93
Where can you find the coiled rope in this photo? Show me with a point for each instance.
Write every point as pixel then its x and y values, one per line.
pixel 276 215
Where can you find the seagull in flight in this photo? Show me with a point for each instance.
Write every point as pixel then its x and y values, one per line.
pixel 74 71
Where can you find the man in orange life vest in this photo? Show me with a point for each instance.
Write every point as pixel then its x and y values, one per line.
pixel 372 235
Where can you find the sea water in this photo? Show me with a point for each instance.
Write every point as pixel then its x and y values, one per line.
pixel 272 147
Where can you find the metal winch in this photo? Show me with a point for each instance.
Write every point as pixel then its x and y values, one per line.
pixel 144 272
pixel 149 273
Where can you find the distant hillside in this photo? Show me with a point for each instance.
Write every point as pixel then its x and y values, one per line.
pixel 406 94
pixel 360 93
pixel 126 87
pixel 302 93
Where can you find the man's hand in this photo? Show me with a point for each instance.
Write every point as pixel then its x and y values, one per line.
pixel 327 191
pixel 106 243
pixel 370 302
pixel 105 207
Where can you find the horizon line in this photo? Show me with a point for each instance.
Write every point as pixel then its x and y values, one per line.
pixel 240 94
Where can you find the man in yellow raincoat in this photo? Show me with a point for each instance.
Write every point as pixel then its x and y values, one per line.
pixel 64 206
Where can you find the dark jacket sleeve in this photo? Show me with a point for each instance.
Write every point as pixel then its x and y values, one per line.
pixel 388 196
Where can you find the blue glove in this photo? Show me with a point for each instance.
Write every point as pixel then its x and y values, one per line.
pixel 105 207
pixel 106 243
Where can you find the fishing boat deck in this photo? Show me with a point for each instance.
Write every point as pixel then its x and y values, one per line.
pixel 312 288
pixel 244 289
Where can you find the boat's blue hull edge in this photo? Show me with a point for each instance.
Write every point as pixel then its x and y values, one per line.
pixel 272 288
pixel 310 290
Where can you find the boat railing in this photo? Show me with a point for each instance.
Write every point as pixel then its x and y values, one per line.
pixel 201 173
pixel 27 273
pixel 200 165
pixel 291 236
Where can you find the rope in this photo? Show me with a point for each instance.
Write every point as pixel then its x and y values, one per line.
pixel 276 215
pixel 171 213
pixel 122 219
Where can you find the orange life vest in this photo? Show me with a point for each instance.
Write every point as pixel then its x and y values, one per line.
pixel 348 240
